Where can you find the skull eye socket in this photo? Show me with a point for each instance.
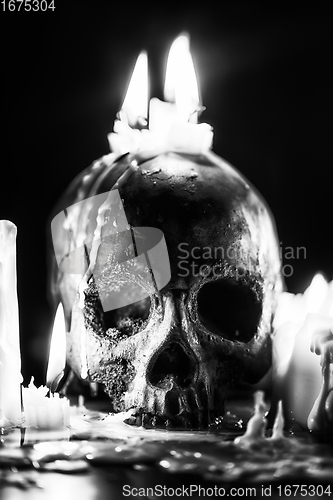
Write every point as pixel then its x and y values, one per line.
pixel 229 309
pixel 130 318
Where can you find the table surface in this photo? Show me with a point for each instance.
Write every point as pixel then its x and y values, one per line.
pixel 119 482
pixel 102 458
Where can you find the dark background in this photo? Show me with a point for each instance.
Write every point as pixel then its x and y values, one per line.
pixel 266 81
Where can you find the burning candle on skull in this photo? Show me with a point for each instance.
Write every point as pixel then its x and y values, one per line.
pixel 172 124
pixel 134 111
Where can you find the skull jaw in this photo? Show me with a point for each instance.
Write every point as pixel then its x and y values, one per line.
pixel 168 406
pixel 124 376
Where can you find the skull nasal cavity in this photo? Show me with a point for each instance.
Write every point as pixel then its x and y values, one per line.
pixel 172 361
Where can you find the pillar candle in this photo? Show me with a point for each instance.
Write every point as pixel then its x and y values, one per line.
pixel 10 357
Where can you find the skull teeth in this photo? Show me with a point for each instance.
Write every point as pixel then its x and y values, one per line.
pixel 174 408
pixel 193 421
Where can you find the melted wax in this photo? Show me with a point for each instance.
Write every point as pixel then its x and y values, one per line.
pixel 97 439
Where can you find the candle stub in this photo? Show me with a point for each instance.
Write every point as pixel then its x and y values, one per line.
pixel 44 412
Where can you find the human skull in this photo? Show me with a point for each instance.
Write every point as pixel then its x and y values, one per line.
pixel 174 354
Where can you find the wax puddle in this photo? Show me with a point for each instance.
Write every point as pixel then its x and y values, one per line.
pixel 100 440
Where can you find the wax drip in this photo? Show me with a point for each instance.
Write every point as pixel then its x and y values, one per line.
pixel 256 426
pixel 278 424
pixel 255 434
pixel 322 411
pixel 132 167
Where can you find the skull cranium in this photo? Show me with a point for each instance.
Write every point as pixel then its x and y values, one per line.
pixel 174 355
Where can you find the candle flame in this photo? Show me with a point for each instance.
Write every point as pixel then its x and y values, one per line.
pixel 317 292
pixel 57 356
pixel 135 105
pixel 181 84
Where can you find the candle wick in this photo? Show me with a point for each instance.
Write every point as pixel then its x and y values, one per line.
pixel 66 380
pixel 55 383
pixel 196 113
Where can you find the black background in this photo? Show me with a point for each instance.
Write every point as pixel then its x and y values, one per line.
pixel 266 81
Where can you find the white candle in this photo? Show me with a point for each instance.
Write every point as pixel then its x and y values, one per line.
pixel 44 412
pixel 172 125
pixel 39 410
pixel 10 357
pixel 42 407
pixel 303 353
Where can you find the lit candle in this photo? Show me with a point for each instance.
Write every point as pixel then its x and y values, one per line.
pixel 10 357
pixel 172 125
pixel 39 410
pixel 303 355
pixel 180 79
pixel 42 407
pixel 135 106
pixel 42 411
